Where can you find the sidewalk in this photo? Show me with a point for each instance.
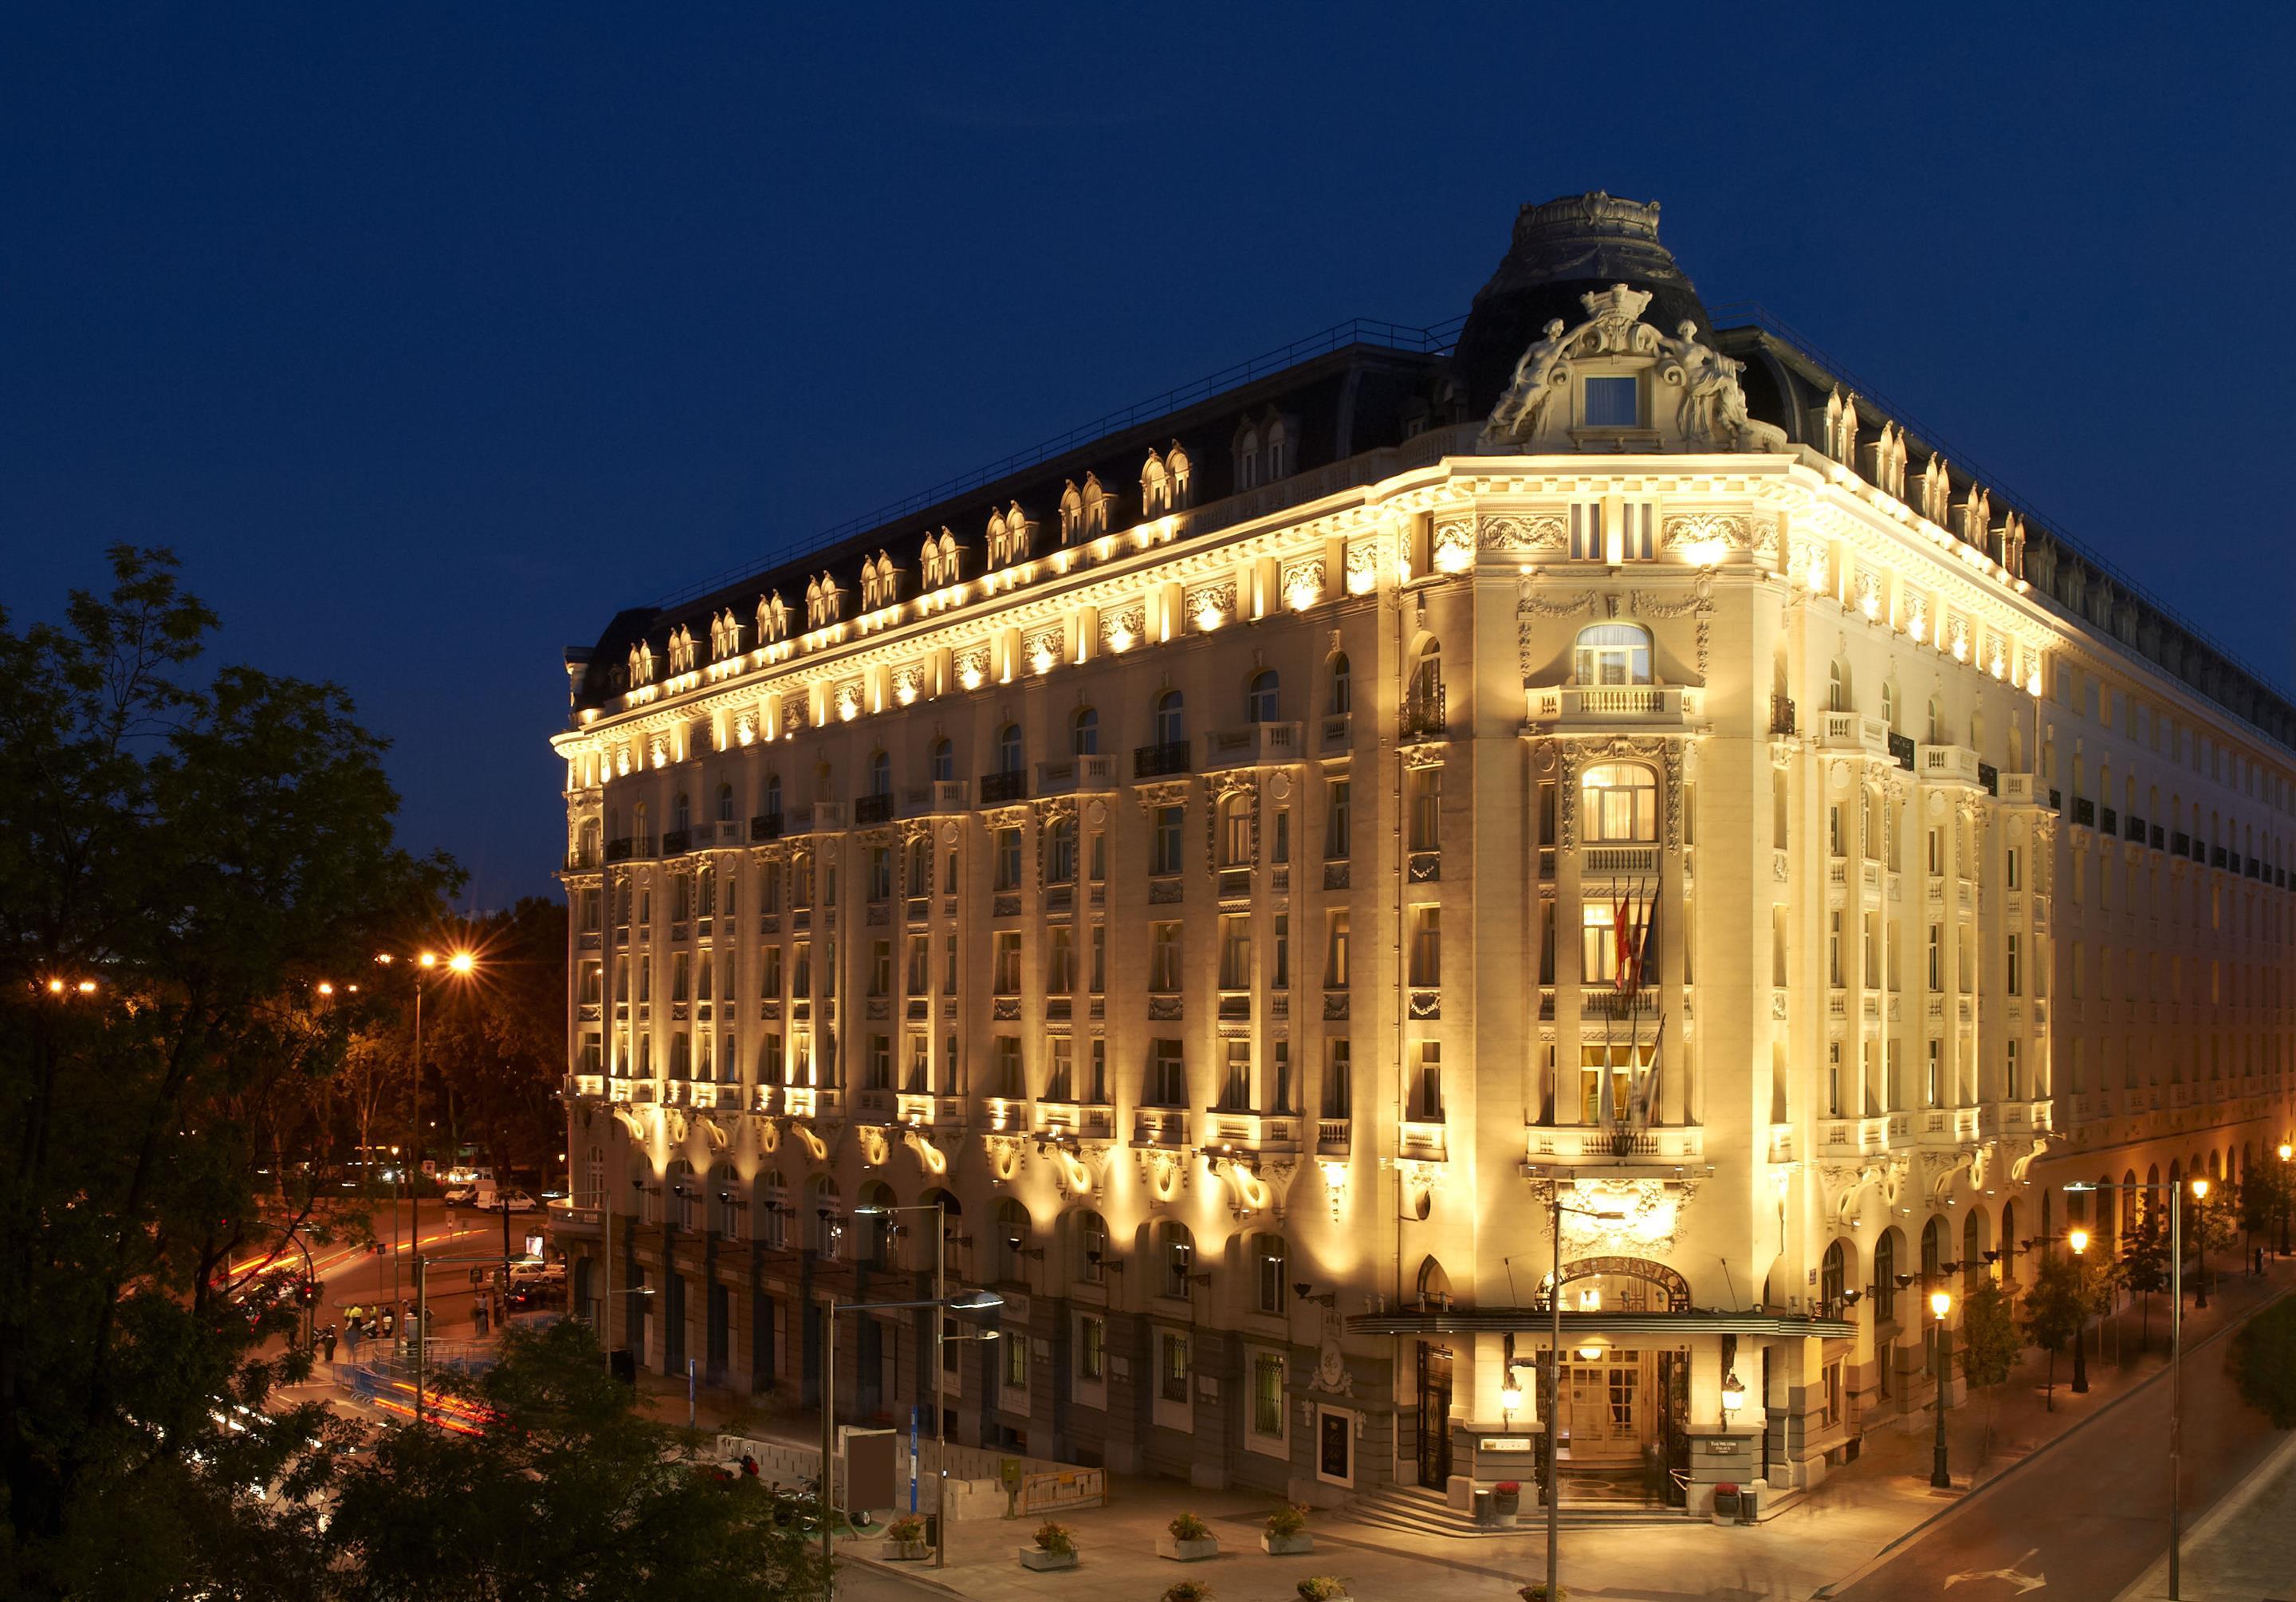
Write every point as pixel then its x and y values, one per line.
pixel 1821 1539
pixel 2244 1549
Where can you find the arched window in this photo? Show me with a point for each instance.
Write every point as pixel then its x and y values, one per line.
pixel 589 850
pixel 685 1195
pixel 801 880
pixel 1832 1276
pixel 1618 800
pixel 879 1227
pixel 1613 653
pixel 681 813
pixel 1260 698
pixel 1342 691
pixel 1177 1256
pixel 1889 704
pixel 1090 1234
pixel 917 872
pixel 772 1226
pixel 880 774
pixel 944 760
pixel 824 1217
pixel 1933 1249
pixel 1885 1277
pixel 1084 733
pixel 1235 830
pixel 1015 1239
pixel 1837 686
pixel 729 1209
pixel 1974 1267
pixel 1060 851
pixel 1171 725
pixel 1009 755
pixel 1937 723
pixel 724 803
pixel 1427 674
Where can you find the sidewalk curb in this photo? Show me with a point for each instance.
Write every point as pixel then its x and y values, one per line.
pixel 2154 1582
pixel 1834 1587
pixel 909 1572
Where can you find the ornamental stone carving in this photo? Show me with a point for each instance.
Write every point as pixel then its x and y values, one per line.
pixel 1521 532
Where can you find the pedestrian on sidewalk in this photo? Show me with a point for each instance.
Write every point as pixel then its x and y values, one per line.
pixel 479 1319
pixel 390 1323
pixel 328 1339
pixel 351 1340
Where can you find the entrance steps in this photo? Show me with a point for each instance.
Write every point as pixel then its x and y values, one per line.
pixel 1416 1510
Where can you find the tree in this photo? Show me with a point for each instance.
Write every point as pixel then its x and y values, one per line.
pixel 2264 1363
pixel 2209 1226
pixel 569 1493
pixel 1988 1345
pixel 2145 1264
pixel 2260 1202
pixel 2056 1303
pixel 198 847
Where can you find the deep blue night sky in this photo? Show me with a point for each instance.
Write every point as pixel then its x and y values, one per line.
pixel 429 337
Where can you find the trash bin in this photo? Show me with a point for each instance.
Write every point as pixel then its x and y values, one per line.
pixel 932 1529
pixel 1726 1502
pixel 1746 1502
pixel 1482 1505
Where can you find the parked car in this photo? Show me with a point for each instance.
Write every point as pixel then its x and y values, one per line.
pixel 507 1201
pixel 462 1195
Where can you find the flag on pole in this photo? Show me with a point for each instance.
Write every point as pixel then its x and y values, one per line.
pixel 1645 1093
pixel 1645 920
pixel 1623 944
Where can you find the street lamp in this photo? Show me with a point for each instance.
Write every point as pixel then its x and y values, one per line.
pixel 1940 1305
pixel 968 1301
pixel 1555 1369
pixel 1510 1398
pixel 2201 1195
pixel 2286 1151
pixel 940 1336
pixel 2078 1239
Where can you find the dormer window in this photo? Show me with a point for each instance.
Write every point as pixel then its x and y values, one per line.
pixel 1613 403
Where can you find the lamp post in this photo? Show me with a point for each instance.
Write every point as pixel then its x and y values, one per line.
pixel 1554 1372
pixel 1510 1398
pixel 1940 1305
pixel 2078 1239
pixel 2286 1151
pixel 939 1374
pixel 970 1301
pixel 2201 1294
pixel 460 963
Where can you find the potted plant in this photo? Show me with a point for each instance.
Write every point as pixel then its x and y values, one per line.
pixel 1506 1499
pixel 1287 1531
pixel 906 1536
pixel 1536 1592
pixel 1323 1587
pixel 1055 1549
pixel 1187 1590
pixel 1188 1539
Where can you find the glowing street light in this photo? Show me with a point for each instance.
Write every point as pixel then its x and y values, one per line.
pixel 2201 1195
pixel 1941 1305
pixel 2078 1239
pixel 1510 1398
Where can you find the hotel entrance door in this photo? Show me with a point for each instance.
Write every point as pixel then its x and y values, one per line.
pixel 1434 1415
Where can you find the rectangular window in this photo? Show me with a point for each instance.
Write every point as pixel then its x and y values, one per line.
pixel 801 970
pixel 880 872
pixel 1834 949
pixel 1164 957
pixel 1339 1082
pixel 881 1063
pixel 948 963
pixel 2011 862
pixel 1613 403
pixel 1059 959
pixel 1834 1079
pixel 1092 1348
pixel 2011 974
pixel 1164 853
pixel 1427 1084
pixel 1267 1394
pixel 681 968
pixel 1427 946
pixel 1060 1084
pixel 1167 1075
pixel 1097 1091
pixel 881 967
pixel 1016 1362
pixel 1598 946
pixel 1338 822
pixel 1099 958
pixel 1172 1366
pixel 1235 1083
pixel 920 964
pixel 1235 952
pixel 1335 959
pixel 1871 951
pixel 1282 851
pixel 1008 858
pixel 1007 1067
pixel 1547 940
pixel 919 1068
pixel 1937 852
pixel 1426 809
pixel 1008 962
pixel 1268 1255
pixel 1937 956
pixel 1933 1084
pixel 2015 1072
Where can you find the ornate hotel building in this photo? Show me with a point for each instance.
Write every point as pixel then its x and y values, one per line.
pixel 1197 862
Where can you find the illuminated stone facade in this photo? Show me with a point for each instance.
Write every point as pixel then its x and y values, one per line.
pixel 1197 858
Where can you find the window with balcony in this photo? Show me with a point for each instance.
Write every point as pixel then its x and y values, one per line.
pixel 1598 944
pixel 1424 795
pixel 1171 725
pixel 1009 755
pixel 1426 1083
pixel 1005 1069
pixel 1060 960
pixel 1618 802
pixel 1059 1076
pixel 1167 1075
pixel 1235 952
pixel 1342 691
pixel 1235 1080
pixel 1613 1065
pixel 1084 733
pixel 1261 697
pixel 944 762
pixel 1613 653
pixel 1339 1079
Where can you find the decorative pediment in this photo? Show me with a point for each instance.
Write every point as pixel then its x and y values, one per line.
pixel 1688 394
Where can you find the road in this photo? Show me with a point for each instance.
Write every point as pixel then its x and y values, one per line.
pixel 355 1276
pixel 2086 1517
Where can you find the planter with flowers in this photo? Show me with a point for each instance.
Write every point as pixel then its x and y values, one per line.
pixel 1055 1549
pixel 1188 1539
pixel 906 1535
pixel 1323 1588
pixel 1287 1531
pixel 1506 1501
pixel 1187 1590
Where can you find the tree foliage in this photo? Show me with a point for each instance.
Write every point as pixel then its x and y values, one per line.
pixel 196 846
pixel 570 1493
pixel 498 1044
pixel 1989 1335
pixel 2056 1304
pixel 2263 1362
pixel 2145 1264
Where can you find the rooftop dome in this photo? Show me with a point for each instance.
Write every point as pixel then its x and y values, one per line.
pixel 1560 250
